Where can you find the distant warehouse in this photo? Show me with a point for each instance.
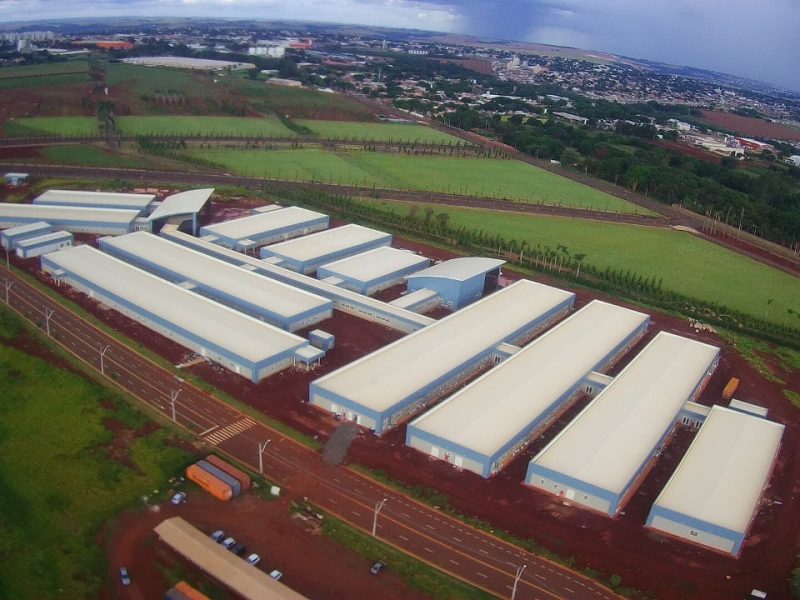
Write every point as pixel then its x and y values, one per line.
pixel 382 389
pixel 138 202
pixel 713 495
pixel 372 271
pixel 72 218
pixel 306 254
pixel 9 237
pixel 265 228
pixel 486 424
pixel 236 341
pixel 271 301
pixel 599 458
pixel 43 244
pixel 458 281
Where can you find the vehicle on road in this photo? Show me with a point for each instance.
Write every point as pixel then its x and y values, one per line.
pixel 228 543
pixel 239 549
pixel 276 575
pixel 378 568
pixel 218 536
pixel 254 559
pixel 178 498
pixel 124 576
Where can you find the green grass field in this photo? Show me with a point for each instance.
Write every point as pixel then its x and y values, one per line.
pixel 355 130
pixel 146 80
pixel 66 126
pixel 93 156
pixel 59 483
pixel 689 265
pixel 234 126
pixel 472 176
pixel 44 69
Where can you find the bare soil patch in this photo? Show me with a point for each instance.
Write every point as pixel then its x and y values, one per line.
pixel 751 126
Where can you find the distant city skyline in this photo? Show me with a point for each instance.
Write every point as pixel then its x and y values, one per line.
pixel 757 40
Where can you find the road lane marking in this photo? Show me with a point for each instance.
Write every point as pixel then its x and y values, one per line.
pixel 479 574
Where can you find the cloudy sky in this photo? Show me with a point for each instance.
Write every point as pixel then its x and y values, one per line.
pixel 758 39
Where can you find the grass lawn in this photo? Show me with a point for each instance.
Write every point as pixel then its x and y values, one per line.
pixel 50 81
pixel 234 126
pixel 44 69
pixel 146 80
pixel 66 126
pixel 378 131
pixel 689 265
pixel 472 176
pixel 58 480
pixel 92 156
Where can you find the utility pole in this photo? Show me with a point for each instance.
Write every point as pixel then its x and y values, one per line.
pixel 261 449
pixel 48 314
pixel 378 507
pixel 8 283
pixel 173 397
pixel 517 577
pixel 102 355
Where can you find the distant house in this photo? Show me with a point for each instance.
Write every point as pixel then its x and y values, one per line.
pixel 570 118
pixel 751 145
pixel 16 179
pixel 794 159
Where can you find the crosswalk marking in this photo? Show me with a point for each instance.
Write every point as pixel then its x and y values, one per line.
pixel 229 431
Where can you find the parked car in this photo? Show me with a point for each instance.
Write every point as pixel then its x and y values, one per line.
pixel 378 568
pixel 239 549
pixel 124 576
pixel 228 543
pixel 276 575
pixel 178 498
pixel 218 536
pixel 254 559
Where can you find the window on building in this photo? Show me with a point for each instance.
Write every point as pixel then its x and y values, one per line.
pixel 693 533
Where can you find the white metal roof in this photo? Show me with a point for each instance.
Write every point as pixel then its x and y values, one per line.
pixel 47 212
pixel 496 407
pixel 103 199
pixel 43 239
pixel 268 294
pixel 375 263
pixel 252 225
pixel 26 228
pixel 722 475
pixel 388 376
pixel 182 203
pixel 610 439
pixel 326 242
pixel 244 335
pixel 459 269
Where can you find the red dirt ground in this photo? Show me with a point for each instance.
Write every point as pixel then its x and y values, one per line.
pixel 688 150
pixel 621 546
pixel 484 67
pixel 288 544
pixel 44 101
pixel 750 126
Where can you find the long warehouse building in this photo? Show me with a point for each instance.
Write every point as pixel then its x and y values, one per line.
pixel 372 271
pixel 598 459
pixel 384 388
pixel 306 254
pixel 276 303
pixel 73 218
pixel 345 300
pixel 713 495
pixel 236 341
pixel 484 425
pixel 138 202
pixel 265 228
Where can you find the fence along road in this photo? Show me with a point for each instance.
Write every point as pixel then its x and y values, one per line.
pixel 464 552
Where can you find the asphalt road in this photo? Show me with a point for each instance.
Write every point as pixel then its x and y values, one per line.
pixel 435 538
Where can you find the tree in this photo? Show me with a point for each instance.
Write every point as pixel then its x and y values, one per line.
pixel 579 259
pixel 442 220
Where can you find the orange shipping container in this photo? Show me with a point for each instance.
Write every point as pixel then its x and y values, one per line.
pixel 215 487
pixel 228 468
pixel 730 389
pixel 188 591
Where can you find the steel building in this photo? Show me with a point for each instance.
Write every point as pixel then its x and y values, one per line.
pixel 180 205
pixel 16 179
pixel 42 244
pixel 271 301
pixel 138 202
pixel 484 425
pixel 713 495
pixel 598 459
pixel 70 218
pixel 9 236
pixel 458 281
pixel 372 271
pixel 265 228
pixel 344 300
pixel 306 254
pixel 236 341
pixel 382 389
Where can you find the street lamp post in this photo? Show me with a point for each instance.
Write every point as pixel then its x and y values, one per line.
pixel 48 314
pixel 261 449
pixel 378 507
pixel 9 283
pixel 517 577
pixel 102 356
pixel 173 397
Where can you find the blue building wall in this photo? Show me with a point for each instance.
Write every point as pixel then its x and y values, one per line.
pixel 693 524
pixel 99 227
pixel 9 237
pixel 311 265
pixel 43 247
pixel 456 294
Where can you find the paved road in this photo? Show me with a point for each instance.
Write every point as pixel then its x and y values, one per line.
pixel 466 553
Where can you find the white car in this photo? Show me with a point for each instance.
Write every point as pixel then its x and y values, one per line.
pixel 276 575
pixel 253 559
pixel 228 543
pixel 178 498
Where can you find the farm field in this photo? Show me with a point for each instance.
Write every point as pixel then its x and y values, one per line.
pixel 177 125
pixel 72 455
pixel 751 126
pixel 94 156
pixel 396 132
pixel 44 126
pixel 471 176
pixel 689 265
pixel 45 69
